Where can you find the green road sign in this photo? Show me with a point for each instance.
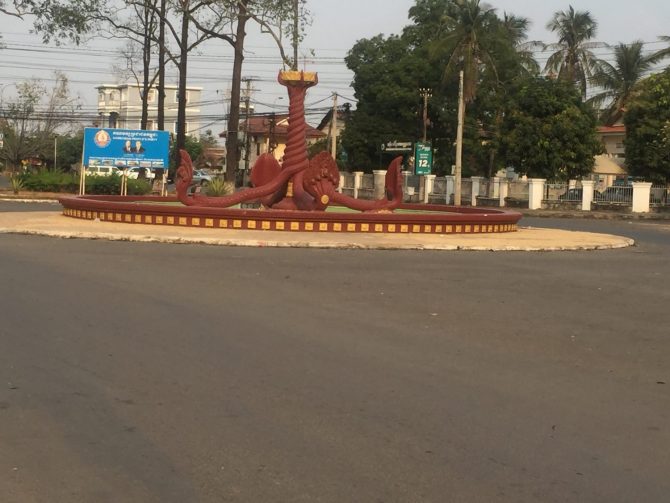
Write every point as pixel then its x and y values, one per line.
pixel 423 158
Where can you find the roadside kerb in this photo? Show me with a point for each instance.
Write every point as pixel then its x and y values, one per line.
pixel 526 239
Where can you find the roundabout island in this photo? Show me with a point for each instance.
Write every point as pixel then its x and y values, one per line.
pixel 297 204
pixel 297 195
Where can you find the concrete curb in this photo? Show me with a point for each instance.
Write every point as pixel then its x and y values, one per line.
pixel 52 224
pixel 52 198
pixel 28 200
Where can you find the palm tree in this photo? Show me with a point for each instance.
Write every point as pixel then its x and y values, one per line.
pixel 467 41
pixel 663 53
pixel 515 30
pixel 573 60
pixel 619 80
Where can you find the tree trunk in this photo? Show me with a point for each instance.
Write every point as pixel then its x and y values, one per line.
pixel 232 147
pixel 181 104
pixel 146 64
pixel 161 69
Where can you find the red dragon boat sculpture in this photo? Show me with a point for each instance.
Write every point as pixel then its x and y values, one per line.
pixel 298 183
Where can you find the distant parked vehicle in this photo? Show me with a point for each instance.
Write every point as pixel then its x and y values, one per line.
pixel 658 195
pixel 134 173
pixel 102 170
pixel 576 194
pixel 200 177
pixel 616 194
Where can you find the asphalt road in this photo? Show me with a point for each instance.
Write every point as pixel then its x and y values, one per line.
pixel 136 372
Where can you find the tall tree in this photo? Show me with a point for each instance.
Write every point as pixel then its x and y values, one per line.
pixel 138 22
pixel 618 81
pixel 388 73
pixel 573 59
pixel 515 32
pixel 647 120
pixel 32 119
pixel 52 19
pixel 276 18
pixel 548 131
pixel 467 38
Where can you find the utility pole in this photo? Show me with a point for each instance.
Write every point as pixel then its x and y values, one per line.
pixel 247 137
pixel 459 142
pixel 272 141
pixel 425 93
pixel 296 38
pixel 55 152
pixel 333 128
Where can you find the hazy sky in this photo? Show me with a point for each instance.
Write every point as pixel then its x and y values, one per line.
pixel 337 25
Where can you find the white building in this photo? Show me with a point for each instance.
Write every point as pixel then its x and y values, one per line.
pixel 120 106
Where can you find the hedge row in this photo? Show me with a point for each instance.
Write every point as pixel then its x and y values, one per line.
pixel 50 181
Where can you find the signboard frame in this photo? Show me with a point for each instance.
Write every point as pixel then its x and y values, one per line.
pixel 397 146
pixel 124 148
pixel 423 158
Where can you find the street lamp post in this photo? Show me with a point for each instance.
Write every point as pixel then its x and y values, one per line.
pixel 425 93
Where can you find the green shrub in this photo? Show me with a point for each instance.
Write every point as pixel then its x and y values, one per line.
pixel 17 183
pixel 219 187
pixel 50 181
pixel 106 185
pixel 56 181
pixel 138 187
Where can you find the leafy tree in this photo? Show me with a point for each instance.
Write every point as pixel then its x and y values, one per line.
pixel 52 19
pixel 618 81
pixel 227 20
pixel 33 118
pixel 138 23
pixel 196 145
pixel 70 150
pixel 573 60
pixel 548 131
pixel 647 121
pixel 388 73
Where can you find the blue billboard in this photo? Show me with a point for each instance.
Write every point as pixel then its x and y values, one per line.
pixel 126 148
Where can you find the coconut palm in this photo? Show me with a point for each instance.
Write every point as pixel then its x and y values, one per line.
pixel 665 52
pixel 619 80
pixel 573 60
pixel 467 40
pixel 515 30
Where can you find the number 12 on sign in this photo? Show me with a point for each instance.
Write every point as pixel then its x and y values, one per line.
pixel 423 158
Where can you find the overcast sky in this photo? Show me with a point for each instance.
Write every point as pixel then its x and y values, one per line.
pixel 337 25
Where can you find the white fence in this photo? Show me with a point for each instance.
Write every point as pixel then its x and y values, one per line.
pixel 500 191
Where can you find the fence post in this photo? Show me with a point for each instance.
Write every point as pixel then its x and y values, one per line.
pixel 496 187
pixel 641 193
pixel 535 193
pixel 358 179
pixel 450 182
pixel 476 183
pixel 340 184
pixel 587 194
pixel 429 184
pixel 502 191
pixel 572 184
pixel 379 183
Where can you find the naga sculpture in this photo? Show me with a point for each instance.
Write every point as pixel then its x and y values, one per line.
pixel 298 183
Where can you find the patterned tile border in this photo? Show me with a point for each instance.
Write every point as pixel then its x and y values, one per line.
pixel 315 222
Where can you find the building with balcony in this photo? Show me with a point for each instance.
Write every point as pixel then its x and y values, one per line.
pixel 120 106
pixel 610 165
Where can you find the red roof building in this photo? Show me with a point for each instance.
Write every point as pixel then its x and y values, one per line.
pixel 268 133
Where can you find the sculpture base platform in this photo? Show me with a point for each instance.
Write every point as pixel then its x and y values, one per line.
pixel 409 218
